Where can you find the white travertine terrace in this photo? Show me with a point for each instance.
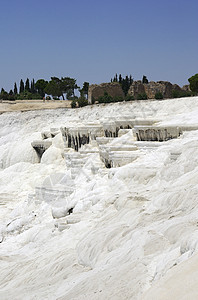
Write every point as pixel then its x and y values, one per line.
pixel 72 228
pixel 161 133
pixel 101 134
pixel 41 146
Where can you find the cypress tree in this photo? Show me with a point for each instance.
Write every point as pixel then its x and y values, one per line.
pixel 15 89
pixel 144 79
pixel 130 80
pixel 125 85
pixel 21 89
pixel 115 79
pixel 27 85
pixel 33 89
pixel 120 78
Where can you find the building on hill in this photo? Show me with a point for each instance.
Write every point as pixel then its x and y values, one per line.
pixel 114 89
pixel 151 88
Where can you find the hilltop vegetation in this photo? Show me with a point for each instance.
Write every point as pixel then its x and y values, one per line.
pixel 57 87
pixel 66 87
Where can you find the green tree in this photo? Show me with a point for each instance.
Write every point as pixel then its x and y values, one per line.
pixel 84 90
pixel 4 95
pixel 125 85
pixel 21 88
pixel 32 87
pixel 115 79
pixel 27 85
pixel 124 82
pixel 144 79
pixel 194 83
pixel 68 86
pixel 41 85
pixel 15 89
pixel 130 80
pixel 57 87
pixel 53 88
pixel 11 95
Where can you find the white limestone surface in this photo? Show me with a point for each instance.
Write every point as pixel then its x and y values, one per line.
pixel 130 226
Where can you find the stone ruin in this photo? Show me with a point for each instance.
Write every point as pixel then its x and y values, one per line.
pixel 137 87
pixel 97 90
pixel 164 87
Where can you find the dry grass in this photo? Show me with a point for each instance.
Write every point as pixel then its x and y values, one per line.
pixel 25 105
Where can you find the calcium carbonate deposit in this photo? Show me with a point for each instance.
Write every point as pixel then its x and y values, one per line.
pixel 98 202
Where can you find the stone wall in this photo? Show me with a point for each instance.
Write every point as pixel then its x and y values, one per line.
pixel 151 88
pixel 114 89
pixel 97 90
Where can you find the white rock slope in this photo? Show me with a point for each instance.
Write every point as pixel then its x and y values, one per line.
pixel 70 228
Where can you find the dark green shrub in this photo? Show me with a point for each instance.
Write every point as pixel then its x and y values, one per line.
pixel 24 96
pixel 186 94
pixel 72 97
pixel 175 94
pixel 4 96
pixel 73 104
pixel 180 94
pixel 129 98
pixel 12 98
pixel 36 96
pixel 118 99
pixel 82 102
pixel 142 96
pixel 105 99
pixel 194 83
pixel 159 96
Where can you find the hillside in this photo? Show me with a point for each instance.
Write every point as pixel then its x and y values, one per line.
pixel 116 219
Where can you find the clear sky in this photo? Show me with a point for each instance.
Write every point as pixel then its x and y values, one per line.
pixel 91 40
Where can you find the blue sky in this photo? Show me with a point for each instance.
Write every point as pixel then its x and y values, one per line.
pixel 92 40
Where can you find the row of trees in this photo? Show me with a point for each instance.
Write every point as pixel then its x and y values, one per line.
pixel 56 87
pixel 126 82
pixel 65 87
pixel 26 90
